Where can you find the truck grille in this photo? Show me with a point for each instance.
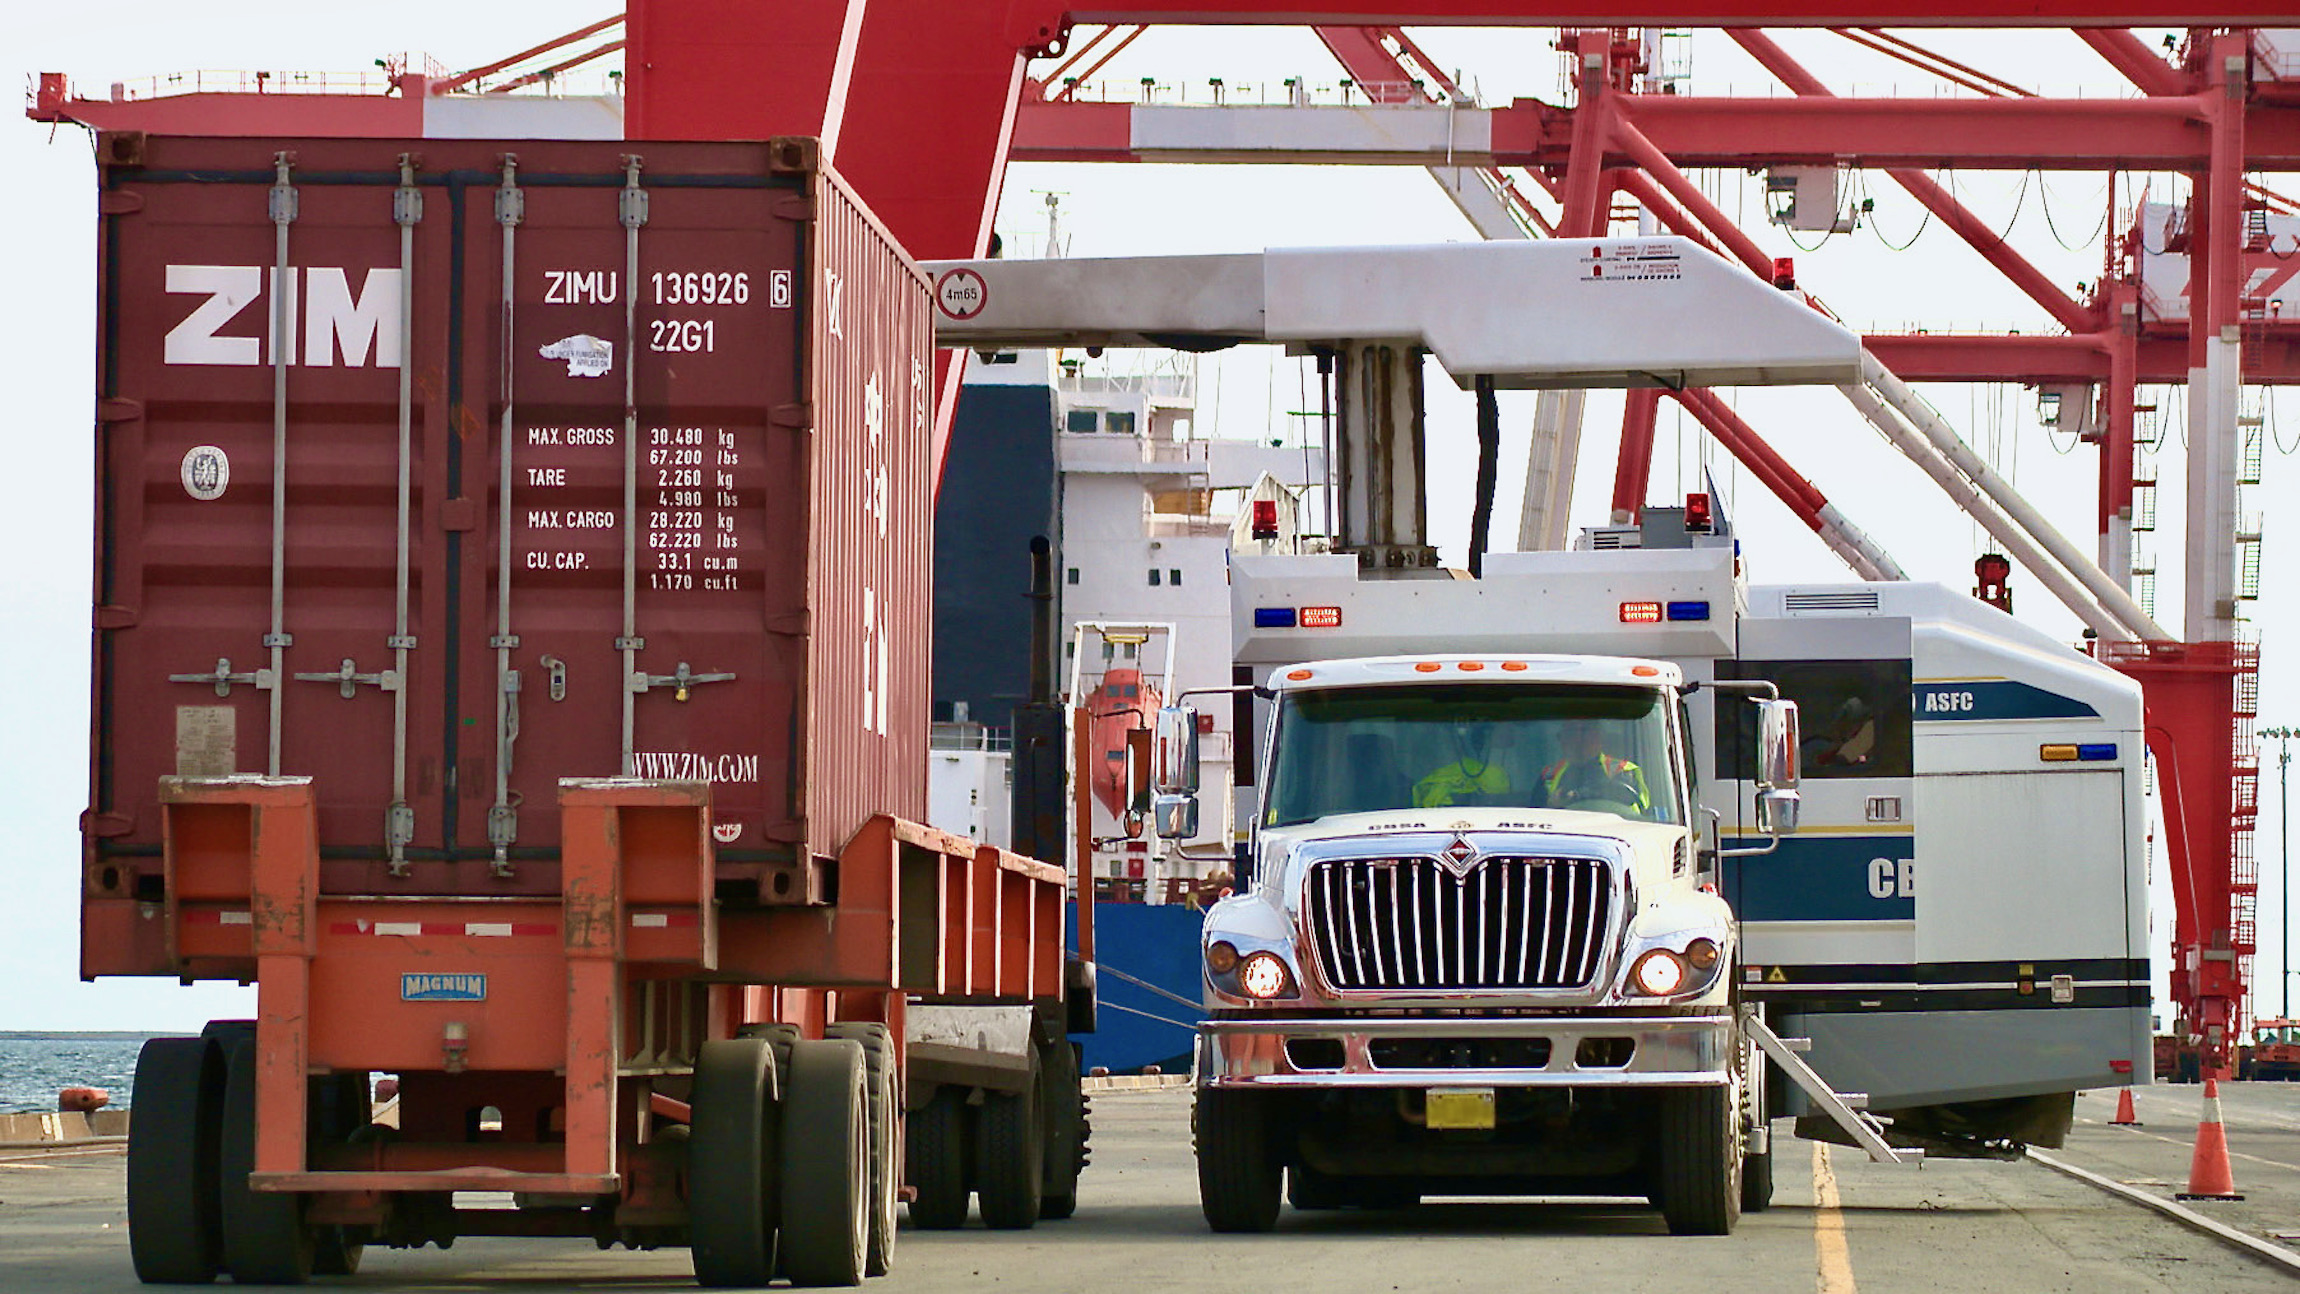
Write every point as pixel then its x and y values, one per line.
pixel 1410 923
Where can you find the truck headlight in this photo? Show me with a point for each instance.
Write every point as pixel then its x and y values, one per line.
pixel 1264 975
pixel 1221 957
pixel 1660 973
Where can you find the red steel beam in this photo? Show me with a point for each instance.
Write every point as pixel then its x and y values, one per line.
pixel 561 42
pixel 2135 61
pixel 1925 60
pixel 1034 23
pixel 696 69
pixel 1993 249
pixel 1743 442
pixel 1633 471
pixel 565 65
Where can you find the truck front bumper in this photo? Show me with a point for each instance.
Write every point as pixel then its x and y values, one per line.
pixel 1581 1051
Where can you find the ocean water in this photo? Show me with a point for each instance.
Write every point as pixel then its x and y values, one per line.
pixel 34 1067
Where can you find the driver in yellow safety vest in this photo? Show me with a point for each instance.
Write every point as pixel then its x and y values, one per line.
pixel 1588 773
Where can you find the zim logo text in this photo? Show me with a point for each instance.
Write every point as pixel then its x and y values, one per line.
pixel 327 316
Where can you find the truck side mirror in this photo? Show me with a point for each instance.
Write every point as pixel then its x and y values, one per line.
pixel 1777 812
pixel 1175 766
pixel 1777 745
pixel 1174 773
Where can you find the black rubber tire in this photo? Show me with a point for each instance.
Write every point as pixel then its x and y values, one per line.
pixel 885 1115
pixel 265 1240
pixel 342 1106
pixel 1062 1106
pixel 1699 1186
pixel 1239 1171
pixel 826 1164
pixel 731 1164
pixel 1757 1182
pixel 938 1162
pixel 1010 1172
pixel 174 1236
pixel 779 1037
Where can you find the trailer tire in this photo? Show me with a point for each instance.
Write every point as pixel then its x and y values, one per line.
pixel 174 1237
pixel 1010 1172
pixel 936 1155
pixel 1311 1191
pixel 885 1116
pixel 1757 1182
pixel 342 1108
pixel 265 1239
pixel 1239 1169
pixel 732 1164
pixel 1062 1103
pixel 1699 1188
pixel 825 1180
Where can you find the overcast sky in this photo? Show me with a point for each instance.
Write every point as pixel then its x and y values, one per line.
pixel 46 341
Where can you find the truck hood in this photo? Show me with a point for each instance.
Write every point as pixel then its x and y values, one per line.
pixel 1651 844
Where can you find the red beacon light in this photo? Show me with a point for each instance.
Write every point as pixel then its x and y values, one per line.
pixel 1641 613
pixel 1697 517
pixel 1785 273
pixel 1265 519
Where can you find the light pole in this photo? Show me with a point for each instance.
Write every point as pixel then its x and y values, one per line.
pixel 2284 738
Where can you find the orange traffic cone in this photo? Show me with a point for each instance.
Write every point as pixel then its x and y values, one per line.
pixel 2209 1177
pixel 2126 1117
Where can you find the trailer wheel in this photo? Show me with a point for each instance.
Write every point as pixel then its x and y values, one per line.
pixel 173 1233
pixel 1311 1191
pixel 1239 1171
pixel 342 1108
pixel 936 1148
pixel 1011 1169
pixel 826 1164
pixel 731 1164
pixel 1700 1179
pixel 265 1241
pixel 1062 1103
pixel 885 1112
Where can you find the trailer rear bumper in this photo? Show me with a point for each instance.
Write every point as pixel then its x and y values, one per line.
pixel 1452 1051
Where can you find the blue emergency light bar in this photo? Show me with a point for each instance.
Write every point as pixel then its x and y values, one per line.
pixel 1273 617
pixel 1689 610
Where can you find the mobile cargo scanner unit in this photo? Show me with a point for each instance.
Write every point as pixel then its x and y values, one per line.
pixel 511 657
pixel 1490 944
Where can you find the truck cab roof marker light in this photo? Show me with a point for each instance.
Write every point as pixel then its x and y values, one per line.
pixel 1513 666
pixel 1645 671
pixel 1298 675
pixel 1470 666
pixel 1641 613
pixel 1427 667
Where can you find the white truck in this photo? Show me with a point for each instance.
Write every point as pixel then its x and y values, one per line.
pixel 1527 902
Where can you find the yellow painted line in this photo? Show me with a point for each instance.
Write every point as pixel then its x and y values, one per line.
pixel 1833 1261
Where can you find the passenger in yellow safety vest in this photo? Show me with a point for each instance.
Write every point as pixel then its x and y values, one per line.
pixel 1478 777
pixel 1588 773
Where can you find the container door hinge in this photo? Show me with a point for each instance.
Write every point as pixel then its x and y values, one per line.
pixel 349 678
pixel 119 408
pixel 681 680
pixel 799 414
pixel 120 202
pixel 223 677
pixel 113 616
pixel 105 825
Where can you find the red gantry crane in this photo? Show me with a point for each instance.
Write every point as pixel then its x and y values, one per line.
pixel 863 75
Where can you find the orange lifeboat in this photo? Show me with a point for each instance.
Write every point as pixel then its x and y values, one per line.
pixel 81 1100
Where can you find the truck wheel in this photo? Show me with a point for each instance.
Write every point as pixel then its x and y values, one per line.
pixel 885 1112
pixel 1238 1166
pixel 731 1164
pixel 1012 1165
pixel 937 1153
pixel 1700 1180
pixel 342 1108
pixel 1757 1182
pixel 265 1241
pixel 173 1234
pixel 1062 1104
pixel 825 1187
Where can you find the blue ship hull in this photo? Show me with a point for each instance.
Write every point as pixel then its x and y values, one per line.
pixel 1146 959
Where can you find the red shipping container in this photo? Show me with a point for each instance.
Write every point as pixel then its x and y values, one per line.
pixel 600 459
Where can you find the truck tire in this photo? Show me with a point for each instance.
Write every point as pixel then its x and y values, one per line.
pixel 1062 1104
pixel 885 1114
pixel 1311 1191
pixel 1757 1182
pixel 825 1157
pixel 1239 1169
pixel 265 1241
pixel 343 1108
pixel 1699 1187
pixel 732 1164
pixel 936 1150
pixel 1010 1172
pixel 173 1234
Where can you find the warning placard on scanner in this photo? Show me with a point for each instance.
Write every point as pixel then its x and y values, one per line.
pixel 1632 263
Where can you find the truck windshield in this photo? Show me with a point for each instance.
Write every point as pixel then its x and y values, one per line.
pixel 1357 750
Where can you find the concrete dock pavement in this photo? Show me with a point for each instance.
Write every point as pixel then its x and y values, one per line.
pixel 1851 1227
